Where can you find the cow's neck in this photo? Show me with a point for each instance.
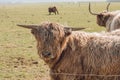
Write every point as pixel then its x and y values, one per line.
pixel 68 54
pixel 61 66
pixel 61 57
pixel 109 22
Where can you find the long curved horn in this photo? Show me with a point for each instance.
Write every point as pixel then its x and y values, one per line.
pixel 107 8
pixel 28 26
pixel 91 11
pixel 76 29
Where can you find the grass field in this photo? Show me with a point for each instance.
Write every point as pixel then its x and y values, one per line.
pixel 18 54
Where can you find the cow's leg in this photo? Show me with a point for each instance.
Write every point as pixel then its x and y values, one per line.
pixel 55 13
pixel 49 13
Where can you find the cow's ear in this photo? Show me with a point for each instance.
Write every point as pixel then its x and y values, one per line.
pixel 67 31
pixel 100 15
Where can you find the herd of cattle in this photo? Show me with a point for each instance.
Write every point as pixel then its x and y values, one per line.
pixel 79 55
pixel 110 20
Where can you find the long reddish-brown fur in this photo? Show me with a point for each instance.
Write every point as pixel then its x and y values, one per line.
pixel 76 55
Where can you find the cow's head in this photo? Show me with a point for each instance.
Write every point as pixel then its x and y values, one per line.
pixel 101 17
pixel 51 40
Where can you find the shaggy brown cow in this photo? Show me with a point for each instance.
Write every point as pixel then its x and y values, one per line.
pixel 53 9
pixel 110 20
pixel 73 55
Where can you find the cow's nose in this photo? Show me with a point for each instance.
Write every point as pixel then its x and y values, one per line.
pixel 46 54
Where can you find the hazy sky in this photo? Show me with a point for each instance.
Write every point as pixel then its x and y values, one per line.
pixel 45 0
pixel 31 1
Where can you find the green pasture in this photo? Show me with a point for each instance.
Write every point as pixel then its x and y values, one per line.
pixel 18 55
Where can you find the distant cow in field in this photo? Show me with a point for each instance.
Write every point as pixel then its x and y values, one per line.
pixel 53 9
pixel 110 20
pixel 77 55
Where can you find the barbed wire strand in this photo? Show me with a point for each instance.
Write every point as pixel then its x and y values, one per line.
pixel 69 74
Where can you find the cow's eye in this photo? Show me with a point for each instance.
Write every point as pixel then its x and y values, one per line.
pixel 34 31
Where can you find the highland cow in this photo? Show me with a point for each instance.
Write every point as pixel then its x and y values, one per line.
pixel 77 55
pixel 110 20
pixel 53 9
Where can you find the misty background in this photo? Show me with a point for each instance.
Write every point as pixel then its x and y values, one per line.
pixel 36 1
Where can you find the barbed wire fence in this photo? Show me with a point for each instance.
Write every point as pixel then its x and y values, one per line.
pixel 70 74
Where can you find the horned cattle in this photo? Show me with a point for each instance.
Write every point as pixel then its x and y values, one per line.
pixel 110 20
pixel 53 9
pixel 77 55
